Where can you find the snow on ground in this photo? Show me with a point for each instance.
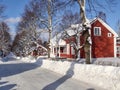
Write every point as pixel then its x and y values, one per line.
pixel 107 61
pixel 29 76
pixel 7 60
pixel 29 59
pixel 101 61
pixel 107 77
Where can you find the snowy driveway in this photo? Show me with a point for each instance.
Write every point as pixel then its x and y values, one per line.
pixel 27 76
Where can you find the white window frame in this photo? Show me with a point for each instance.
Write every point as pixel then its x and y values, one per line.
pixel 109 34
pixel 118 49
pixel 72 51
pixel 97 31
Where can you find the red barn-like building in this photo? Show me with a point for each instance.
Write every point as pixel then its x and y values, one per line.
pixel 103 42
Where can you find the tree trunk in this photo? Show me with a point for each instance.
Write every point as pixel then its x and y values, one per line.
pixel 86 33
pixel 87 53
pixel 82 10
pixel 87 47
pixel 78 45
pixel 76 54
pixel 50 25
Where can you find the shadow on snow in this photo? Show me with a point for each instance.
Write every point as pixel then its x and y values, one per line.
pixel 68 75
pixel 7 87
pixel 58 82
pixel 3 82
pixel 12 69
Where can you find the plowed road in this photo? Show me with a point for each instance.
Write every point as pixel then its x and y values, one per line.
pixel 28 76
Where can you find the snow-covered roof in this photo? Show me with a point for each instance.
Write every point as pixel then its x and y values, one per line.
pixel 56 40
pixel 42 47
pixel 62 42
pixel 70 31
pixel 106 25
pixel 78 27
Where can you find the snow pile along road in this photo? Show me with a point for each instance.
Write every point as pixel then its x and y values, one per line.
pixel 107 77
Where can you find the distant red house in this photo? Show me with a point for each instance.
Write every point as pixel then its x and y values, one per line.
pixel 103 42
pixel 118 47
pixel 39 51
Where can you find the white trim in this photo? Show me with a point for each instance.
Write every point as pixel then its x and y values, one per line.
pixel 118 51
pixel 56 51
pixel 106 25
pixel 109 34
pixel 99 31
pixel 115 47
pixel 68 49
pixel 53 50
pixel 59 51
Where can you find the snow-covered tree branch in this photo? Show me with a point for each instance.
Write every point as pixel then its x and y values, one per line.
pixel 5 39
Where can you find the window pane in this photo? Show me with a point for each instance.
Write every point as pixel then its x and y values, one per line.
pixel 97 31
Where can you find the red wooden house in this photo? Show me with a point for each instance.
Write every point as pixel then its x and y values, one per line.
pixel 103 42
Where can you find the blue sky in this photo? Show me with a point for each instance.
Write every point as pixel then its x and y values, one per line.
pixel 14 9
pixel 113 17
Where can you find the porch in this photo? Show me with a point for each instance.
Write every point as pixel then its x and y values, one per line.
pixel 63 51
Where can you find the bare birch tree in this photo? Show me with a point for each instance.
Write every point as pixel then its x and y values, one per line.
pixel 86 23
pixel 90 6
pixel 38 15
pixel 51 7
pixel 69 18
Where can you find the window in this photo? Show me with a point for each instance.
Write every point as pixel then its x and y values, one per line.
pixel 63 49
pixel 118 41
pixel 109 35
pixel 97 31
pixel 118 49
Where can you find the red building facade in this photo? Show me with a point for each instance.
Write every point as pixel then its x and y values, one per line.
pixel 103 42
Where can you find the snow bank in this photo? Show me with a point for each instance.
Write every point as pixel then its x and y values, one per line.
pixel 107 77
pixel 29 59
pixel 108 61
pixel 11 55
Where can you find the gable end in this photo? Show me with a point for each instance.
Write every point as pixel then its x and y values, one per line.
pixel 106 25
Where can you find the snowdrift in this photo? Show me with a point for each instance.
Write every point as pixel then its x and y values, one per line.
pixel 107 77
